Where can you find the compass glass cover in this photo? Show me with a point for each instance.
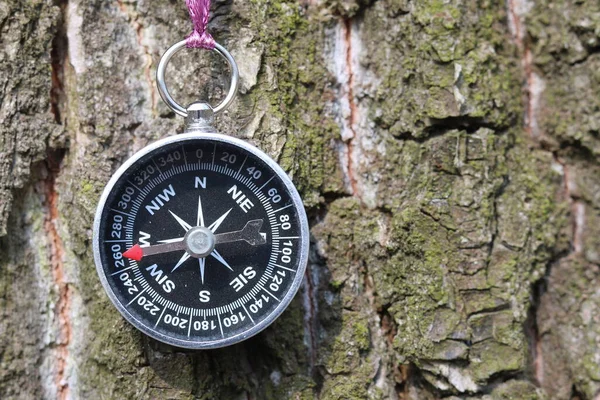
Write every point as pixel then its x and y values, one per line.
pixel 201 241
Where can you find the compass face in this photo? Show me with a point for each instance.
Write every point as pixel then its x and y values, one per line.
pixel 200 240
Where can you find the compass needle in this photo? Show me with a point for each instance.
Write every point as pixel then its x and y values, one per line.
pixel 174 240
pixel 137 252
pixel 250 234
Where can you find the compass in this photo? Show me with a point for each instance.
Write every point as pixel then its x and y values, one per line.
pixel 200 239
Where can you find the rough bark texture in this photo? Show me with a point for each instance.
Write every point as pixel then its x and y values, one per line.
pixel 447 152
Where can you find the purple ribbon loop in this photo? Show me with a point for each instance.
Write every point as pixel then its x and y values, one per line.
pixel 199 38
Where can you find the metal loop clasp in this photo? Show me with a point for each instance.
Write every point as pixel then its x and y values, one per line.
pixel 162 86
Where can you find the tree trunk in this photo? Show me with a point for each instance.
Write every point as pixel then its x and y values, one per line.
pixel 446 151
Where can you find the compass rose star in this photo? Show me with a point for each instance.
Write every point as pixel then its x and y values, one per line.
pixel 183 259
pixel 200 222
pixel 183 224
pixel 202 262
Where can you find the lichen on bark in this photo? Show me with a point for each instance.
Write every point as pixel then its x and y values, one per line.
pixel 565 52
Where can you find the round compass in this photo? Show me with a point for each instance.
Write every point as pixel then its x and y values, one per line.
pixel 200 240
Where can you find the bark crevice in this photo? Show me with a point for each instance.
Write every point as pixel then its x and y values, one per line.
pixel 58 57
pixel 56 256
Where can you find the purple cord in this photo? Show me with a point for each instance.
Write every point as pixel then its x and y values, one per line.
pixel 199 38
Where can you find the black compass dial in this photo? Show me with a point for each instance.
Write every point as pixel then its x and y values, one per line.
pixel 200 240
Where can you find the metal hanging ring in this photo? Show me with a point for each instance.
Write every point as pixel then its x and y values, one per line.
pixel 162 86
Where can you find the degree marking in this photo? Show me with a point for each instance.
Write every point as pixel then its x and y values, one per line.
pixel 283 208
pixel 160 317
pixel 122 212
pixel 153 295
pixel 220 326
pixel 124 269
pixel 190 323
pixel 282 267
pixel 184 157
pixel 214 154
pixel 271 294
pixel 240 170
pixel 136 296
pixel 134 185
pixel 261 188
pixel 248 314
pixel 156 165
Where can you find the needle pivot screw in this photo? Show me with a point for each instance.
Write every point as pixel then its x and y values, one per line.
pixel 199 241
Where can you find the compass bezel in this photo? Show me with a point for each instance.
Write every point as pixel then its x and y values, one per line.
pixel 303 246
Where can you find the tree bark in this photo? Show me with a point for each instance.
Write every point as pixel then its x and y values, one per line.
pixel 446 151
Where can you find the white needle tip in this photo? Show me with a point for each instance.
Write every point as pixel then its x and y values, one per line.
pixel 215 225
pixel 200 219
pixel 181 222
pixel 218 256
pixel 183 259
pixel 202 262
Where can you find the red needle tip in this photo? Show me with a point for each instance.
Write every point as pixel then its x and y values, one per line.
pixel 135 253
